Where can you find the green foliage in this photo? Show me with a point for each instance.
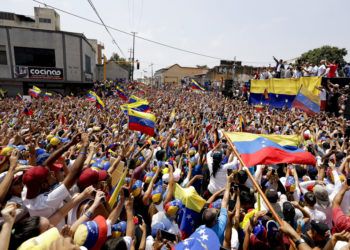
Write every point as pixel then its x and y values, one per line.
pixel 122 62
pixel 328 53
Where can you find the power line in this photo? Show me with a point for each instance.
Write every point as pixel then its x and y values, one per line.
pixel 130 34
pixel 98 15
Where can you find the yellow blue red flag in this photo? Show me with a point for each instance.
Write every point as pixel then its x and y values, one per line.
pixel 264 149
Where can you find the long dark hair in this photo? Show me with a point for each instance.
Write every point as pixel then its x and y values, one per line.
pixel 24 230
pixel 217 158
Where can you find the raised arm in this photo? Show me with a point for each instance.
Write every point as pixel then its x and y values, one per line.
pixel 74 172
pixel 6 183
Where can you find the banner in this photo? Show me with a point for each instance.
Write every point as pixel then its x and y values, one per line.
pixel 280 93
pixel 38 73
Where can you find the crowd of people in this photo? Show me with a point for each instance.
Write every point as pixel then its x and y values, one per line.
pixel 61 164
pixel 324 68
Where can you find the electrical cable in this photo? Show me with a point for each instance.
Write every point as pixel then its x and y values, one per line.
pixel 130 34
pixel 98 15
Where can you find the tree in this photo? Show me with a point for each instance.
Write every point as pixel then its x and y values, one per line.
pixel 328 53
pixel 121 61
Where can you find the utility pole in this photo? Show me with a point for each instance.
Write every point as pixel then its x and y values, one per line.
pixel 130 63
pixel 151 65
pixel 133 55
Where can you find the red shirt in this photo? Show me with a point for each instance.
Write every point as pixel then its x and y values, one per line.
pixel 332 70
pixel 340 221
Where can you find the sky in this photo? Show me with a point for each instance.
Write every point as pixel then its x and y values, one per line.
pixel 251 30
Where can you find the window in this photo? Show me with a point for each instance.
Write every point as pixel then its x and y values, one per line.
pixel 44 20
pixel 35 57
pixel 3 57
pixel 7 16
pixel 87 64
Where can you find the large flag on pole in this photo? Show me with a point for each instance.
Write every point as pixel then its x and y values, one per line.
pixel 307 101
pixel 141 121
pixel 257 149
pixel 121 93
pixel 142 106
pixel 195 85
pixel 34 92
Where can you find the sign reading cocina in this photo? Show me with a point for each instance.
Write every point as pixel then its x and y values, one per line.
pixel 39 73
pixel 45 73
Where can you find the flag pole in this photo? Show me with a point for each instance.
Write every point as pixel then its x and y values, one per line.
pixel 257 186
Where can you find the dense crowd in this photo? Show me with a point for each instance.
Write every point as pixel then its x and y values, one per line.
pixel 59 166
pixel 324 68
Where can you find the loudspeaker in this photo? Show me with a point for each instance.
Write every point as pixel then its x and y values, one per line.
pixel 228 85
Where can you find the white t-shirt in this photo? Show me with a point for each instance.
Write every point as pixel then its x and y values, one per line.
pixel 314 70
pixel 321 70
pixel 219 181
pixel 316 214
pixel 170 226
pixel 45 204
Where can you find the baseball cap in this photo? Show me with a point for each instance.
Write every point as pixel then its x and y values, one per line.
pixel 92 234
pixel 321 228
pixel 288 211
pixel 321 194
pixel 172 207
pixel 90 177
pixel 119 229
pixel 33 178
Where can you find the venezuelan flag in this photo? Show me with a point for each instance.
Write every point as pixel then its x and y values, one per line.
pixel 99 103
pixel 195 85
pixel 143 122
pixel 47 96
pixel 307 101
pixel 91 97
pixel 141 106
pixel 19 97
pixel 134 98
pixel 189 216
pixel 280 93
pixel 34 93
pixel 121 93
pixel 269 149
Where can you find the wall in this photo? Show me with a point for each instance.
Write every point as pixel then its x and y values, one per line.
pixel 5 70
pixel 113 71
pixel 38 39
pixel 89 51
pixel 176 73
pixel 73 59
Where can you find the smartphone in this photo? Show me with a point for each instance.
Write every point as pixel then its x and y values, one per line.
pixel 126 192
pixel 348 181
pixel 168 236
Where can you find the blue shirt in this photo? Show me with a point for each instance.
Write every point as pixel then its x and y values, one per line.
pixel 220 226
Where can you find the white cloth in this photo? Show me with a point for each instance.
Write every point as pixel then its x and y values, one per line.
pixel 321 70
pixel 219 181
pixel 316 214
pixel 45 204
pixel 170 226
pixel 128 241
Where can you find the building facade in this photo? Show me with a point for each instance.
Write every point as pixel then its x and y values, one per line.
pixel 175 73
pixel 113 72
pixel 44 18
pixel 44 56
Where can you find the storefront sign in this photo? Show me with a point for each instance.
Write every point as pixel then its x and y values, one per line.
pixel 38 73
